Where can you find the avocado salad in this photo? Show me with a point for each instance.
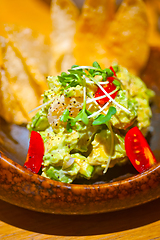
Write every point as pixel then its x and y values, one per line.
pixel 85 115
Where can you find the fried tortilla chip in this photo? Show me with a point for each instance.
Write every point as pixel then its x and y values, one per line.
pixel 153 13
pixel 1 58
pixel 29 13
pixel 24 89
pixel 10 108
pixel 126 39
pixel 64 16
pixel 91 28
pixel 151 72
pixel 34 50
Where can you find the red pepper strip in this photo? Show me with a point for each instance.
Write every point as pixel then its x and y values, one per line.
pixel 138 150
pixel 114 73
pixel 35 153
pixel 108 88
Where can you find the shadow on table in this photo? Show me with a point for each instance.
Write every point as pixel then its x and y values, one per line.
pixel 80 225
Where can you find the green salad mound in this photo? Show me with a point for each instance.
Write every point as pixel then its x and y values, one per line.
pixel 84 132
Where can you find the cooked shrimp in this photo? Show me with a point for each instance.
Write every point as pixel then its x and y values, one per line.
pixel 59 104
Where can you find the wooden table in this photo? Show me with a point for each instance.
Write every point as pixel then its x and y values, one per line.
pixel 141 222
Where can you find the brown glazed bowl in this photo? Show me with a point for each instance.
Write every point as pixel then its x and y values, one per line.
pixel 21 187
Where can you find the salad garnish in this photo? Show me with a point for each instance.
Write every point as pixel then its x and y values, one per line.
pixel 138 150
pixel 78 76
pixel 86 124
pixel 35 153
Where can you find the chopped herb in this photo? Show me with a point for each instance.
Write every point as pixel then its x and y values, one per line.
pixel 74 66
pixel 98 71
pixel 71 79
pixel 78 75
pixel 116 83
pixel 68 127
pixel 108 72
pixel 65 116
pixel 82 115
pixel 96 65
pixel 104 119
pixel 115 67
pixel 88 112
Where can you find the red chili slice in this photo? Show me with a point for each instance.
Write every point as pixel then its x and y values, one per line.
pixel 35 153
pixel 138 150
pixel 108 88
pixel 114 73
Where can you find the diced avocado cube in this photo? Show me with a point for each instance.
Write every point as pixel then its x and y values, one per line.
pixel 66 176
pixel 87 170
pixel 42 123
pixel 39 122
pixel 58 175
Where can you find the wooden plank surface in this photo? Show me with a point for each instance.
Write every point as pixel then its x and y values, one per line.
pixel 141 222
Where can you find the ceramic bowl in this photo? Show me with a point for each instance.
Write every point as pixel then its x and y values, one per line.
pixel 124 190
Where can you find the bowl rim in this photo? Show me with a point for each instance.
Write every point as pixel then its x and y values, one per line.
pixel 121 194
pixel 137 176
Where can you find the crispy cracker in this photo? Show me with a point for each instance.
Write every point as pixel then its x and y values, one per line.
pixel 126 38
pixel 91 28
pixel 64 15
pixel 24 89
pixel 34 50
pixel 10 108
pixel 153 13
